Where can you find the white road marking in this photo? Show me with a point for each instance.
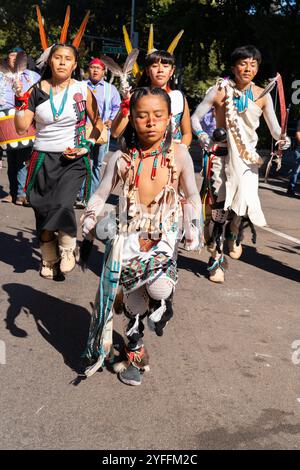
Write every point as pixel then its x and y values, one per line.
pixel 37 412
pixel 283 235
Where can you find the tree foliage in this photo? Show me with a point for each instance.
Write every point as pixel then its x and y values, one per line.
pixel 213 28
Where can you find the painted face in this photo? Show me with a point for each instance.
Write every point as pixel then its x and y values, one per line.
pixel 245 70
pixel 11 59
pixel 96 73
pixel 63 63
pixel 150 119
pixel 160 74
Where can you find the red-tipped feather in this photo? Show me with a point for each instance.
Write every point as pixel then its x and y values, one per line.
pixel 43 36
pixel 64 29
pixel 78 37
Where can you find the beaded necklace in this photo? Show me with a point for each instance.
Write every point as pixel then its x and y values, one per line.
pixel 241 101
pixel 154 153
pixel 56 113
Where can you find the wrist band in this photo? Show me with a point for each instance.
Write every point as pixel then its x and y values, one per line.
pixel 124 107
pixel 198 133
pixel 21 102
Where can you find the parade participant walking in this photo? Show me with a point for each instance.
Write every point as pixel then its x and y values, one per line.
pixel 232 189
pixel 17 154
pixel 59 105
pixel 108 100
pixel 159 72
pixel 140 258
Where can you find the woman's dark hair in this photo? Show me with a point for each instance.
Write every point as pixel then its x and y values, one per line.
pixel 47 72
pixel 245 52
pixel 129 138
pixel 157 56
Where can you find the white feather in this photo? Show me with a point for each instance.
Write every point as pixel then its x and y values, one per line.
pixel 130 61
pixel 268 88
pixel 112 65
pixel 20 63
pixel 42 60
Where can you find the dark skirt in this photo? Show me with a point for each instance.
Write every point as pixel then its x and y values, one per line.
pixel 53 189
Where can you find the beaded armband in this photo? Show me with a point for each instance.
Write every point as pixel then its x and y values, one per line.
pixel 198 133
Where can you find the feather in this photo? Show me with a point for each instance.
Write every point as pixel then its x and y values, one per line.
pixel 130 61
pixel 150 40
pixel 128 45
pixel 64 29
pixel 77 40
pixel 43 36
pixel 268 88
pixel 112 65
pixel 175 41
pixel 20 63
pixel 42 60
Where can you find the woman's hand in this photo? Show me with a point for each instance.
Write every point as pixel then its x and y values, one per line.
pixel 88 221
pixel 17 87
pixel 72 153
pixel 204 141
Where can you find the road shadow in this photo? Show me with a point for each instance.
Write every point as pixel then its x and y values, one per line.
pixel 62 324
pixel 282 186
pixel 284 194
pixel 249 256
pixel 20 252
pixel 195 266
pixel 269 425
pixel 95 259
pixel 2 192
pixel 293 250
pixel 269 264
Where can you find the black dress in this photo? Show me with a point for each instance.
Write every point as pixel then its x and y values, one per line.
pixel 54 181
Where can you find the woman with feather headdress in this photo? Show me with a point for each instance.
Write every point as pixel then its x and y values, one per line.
pixel 59 104
pixel 159 72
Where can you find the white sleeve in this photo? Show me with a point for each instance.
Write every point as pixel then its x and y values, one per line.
pixel 97 201
pixel 192 208
pixel 271 118
pixel 202 109
pixel 109 180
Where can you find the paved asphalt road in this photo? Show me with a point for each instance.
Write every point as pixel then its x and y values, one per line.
pixel 223 376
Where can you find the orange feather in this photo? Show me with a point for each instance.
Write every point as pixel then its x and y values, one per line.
pixel 80 33
pixel 64 29
pixel 43 36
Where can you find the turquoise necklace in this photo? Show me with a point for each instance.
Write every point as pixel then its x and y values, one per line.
pixel 241 101
pixel 58 113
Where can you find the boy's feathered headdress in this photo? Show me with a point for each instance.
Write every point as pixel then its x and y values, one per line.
pixel 151 48
pixel 63 35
